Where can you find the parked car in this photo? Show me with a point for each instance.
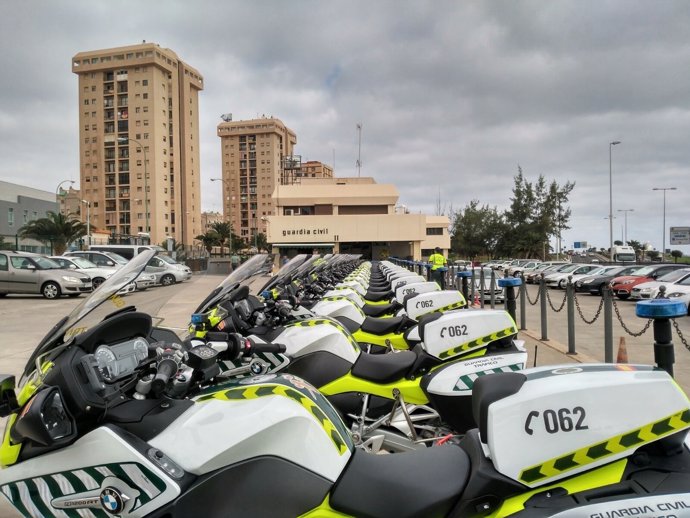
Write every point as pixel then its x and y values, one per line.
pixel 23 272
pixel 524 266
pixel 108 260
pixel 126 251
pixel 622 286
pixel 81 265
pixel 532 276
pixel 594 283
pixel 680 293
pixel 546 269
pixel 485 288
pixel 560 278
pixel 649 290
pixel 167 271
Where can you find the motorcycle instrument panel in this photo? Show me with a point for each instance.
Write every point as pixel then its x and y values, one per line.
pixel 119 360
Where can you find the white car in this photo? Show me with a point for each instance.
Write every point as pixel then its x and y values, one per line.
pixel 560 279
pixel 649 290
pixel 680 292
pixel 524 267
pixel 81 265
pixel 485 290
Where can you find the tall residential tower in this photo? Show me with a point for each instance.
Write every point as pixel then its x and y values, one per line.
pixel 139 133
pixel 255 154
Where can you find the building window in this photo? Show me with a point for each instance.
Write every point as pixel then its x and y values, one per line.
pixel 434 231
pixel 10 217
pixel 145 96
pixel 145 82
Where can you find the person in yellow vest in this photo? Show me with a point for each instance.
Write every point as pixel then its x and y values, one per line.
pixel 438 267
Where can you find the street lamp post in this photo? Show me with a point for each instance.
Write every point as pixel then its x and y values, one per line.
pixel 663 229
pixel 124 140
pixel 88 222
pixel 57 191
pixel 625 233
pixel 611 144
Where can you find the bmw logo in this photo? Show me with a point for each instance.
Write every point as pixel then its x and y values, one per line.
pixel 112 501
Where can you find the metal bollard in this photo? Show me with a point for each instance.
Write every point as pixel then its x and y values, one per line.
pixel 492 289
pixel 608 324
pixel 508 284
pixel 570 297
pixel 482 281
pixel 662 311
pixel 542 294
pixel 523 303
pixel 463 276
pixel 474 285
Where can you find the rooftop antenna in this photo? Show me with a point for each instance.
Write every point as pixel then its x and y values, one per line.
pixel 359 152
pixel 227 117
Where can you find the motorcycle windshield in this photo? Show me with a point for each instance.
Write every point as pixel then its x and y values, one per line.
pixel 93 309
pixel 285 272
pixel 251 273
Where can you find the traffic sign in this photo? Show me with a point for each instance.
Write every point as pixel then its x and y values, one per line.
pixel 680 235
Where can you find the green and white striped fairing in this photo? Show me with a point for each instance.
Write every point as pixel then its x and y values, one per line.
pixel 34 496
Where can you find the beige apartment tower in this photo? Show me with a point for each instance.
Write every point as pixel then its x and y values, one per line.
pixel 139 142
pixel 255 154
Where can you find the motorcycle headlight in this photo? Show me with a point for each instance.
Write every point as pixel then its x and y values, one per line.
pixel 67 278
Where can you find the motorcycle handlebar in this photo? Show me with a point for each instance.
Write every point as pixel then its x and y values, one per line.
pixel 166 369
pixel 268 348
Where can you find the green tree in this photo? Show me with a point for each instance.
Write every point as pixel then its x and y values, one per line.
pixel 653 254
pixel 617 242
pixel 261 241
pixel 57 228
pixel 224 231
pixel 537 212
pixel 476 230
pixel 209 240
pixel 676 254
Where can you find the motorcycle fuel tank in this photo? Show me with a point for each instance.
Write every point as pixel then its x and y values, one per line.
pixel 432 302
pixel 417 287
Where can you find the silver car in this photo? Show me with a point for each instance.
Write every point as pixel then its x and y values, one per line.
pixel 22 272
pixel 167 271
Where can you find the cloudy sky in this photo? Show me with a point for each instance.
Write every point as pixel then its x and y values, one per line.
pixel 452 96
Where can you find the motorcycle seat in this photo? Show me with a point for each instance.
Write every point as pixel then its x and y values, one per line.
pixel 383 368
pixel 377 296
pixel 377 311
pixel 380 486
pixel 382 326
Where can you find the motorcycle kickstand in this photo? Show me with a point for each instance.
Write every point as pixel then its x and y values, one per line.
pixel 361 428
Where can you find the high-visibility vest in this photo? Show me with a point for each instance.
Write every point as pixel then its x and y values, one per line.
pixel 437 261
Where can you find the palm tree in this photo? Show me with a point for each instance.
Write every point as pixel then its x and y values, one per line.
pixel 224 231
pixel 57 229
pixel 209 240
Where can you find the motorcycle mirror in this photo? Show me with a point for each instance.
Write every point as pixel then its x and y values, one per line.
pixel 45 420
pixel 8 398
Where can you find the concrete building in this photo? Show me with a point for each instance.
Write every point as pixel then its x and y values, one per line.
pixel 208 219
pixel 70 202
pixel 313 169
pixel 256 154
pixel 139 142
pixel 18 206
pixel 351 215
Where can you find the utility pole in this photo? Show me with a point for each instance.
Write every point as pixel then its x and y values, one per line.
pixel 359 152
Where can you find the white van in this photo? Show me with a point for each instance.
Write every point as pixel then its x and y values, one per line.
pixel 126 251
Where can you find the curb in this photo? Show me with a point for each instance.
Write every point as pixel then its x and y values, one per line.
pixel 560 348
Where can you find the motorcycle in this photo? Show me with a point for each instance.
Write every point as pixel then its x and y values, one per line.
pixel 396 401
pixel 113 417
